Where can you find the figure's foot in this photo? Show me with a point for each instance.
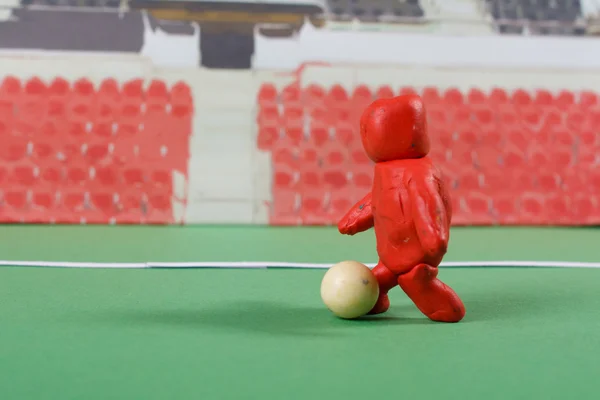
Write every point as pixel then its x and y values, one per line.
pixel 382 305
pixel 432 297
pixel 386 280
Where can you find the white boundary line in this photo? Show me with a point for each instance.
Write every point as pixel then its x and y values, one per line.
pixel 269 264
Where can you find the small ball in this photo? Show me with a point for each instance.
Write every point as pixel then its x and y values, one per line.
pixel 349 289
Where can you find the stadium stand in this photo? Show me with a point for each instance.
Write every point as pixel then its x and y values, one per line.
pixel 73 152
pixel 509 157
pixel 374 10
pixel 544 17
pixel 73 3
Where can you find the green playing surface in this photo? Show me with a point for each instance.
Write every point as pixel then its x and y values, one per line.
pixel 264 334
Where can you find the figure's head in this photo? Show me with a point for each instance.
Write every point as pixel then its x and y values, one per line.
pixel 395 129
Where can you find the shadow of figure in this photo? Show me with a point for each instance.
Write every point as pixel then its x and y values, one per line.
pixel 258 317
pixel 511 299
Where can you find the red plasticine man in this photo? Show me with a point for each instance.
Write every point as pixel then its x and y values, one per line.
pixel 409 207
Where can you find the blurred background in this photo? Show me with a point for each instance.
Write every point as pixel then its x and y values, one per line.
pixel 246 112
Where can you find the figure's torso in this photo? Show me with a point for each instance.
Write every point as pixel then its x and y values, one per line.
pixel 397 241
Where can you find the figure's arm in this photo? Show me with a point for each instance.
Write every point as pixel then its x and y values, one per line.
pixel 359 218
pixel 430 215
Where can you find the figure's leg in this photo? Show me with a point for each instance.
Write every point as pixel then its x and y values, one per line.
pixel 433 297
pixel 386 280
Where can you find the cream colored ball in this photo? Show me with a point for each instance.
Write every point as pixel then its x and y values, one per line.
pixel 349 289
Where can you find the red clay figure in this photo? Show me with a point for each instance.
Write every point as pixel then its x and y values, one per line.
pixel 409 207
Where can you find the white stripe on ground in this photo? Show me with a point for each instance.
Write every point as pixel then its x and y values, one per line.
pixel 269 264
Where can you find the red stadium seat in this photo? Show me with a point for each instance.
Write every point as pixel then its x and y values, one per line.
pixel 484 117
pixel 332 154
pixel 487 157
pixel 73 200
pixel 109 91
pixel 361 98
pixel 576 121
pixel 294 132
pixel 14 148
pixel 337 96
pixel 157 94
pixel 104 202
pixel 11 87
pixel 310 180
pixel 437 117
pixel 135 176
pixel 505 208
pixel 308 156
pixel 335 179
pixel 313 209
pixel 340 202
pixel 384 92
pixel 132 91
pixel 181 95
pixel 314 96
pixel 16 198
pixel 77 175
pixel 431 96
pixel 23 174
pixel 103 131
pixel 533 208
pixel 476 96
pixel 520 98
pixel 453 97
pixel 543 99
pixel 97 152
pixel 284 208
pixel 44 198
pixel 291 95
pixel 267 94
pixel 269 114
pixel 294 113
pixel 461 117
pixel 470 182
pixel 559 209
pixel 125 147
pixel 478 206
pixel 407 90
pixel 588 99
pixel 585 208
pixel 106 177
pixel 346 135
pixel 285 153
pixel 359 157
pixel 498 97
pixel 284 178
pixel 267 136
pixel 362 179
pixel 564 99
pixel 129 206
pixel 162 179
pixel 4 175
pixel 83 99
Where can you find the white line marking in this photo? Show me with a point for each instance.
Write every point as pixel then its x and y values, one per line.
pixel 273 264
pixel 68 264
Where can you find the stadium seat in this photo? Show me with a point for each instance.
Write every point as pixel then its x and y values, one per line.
pixel 537 14
pixel 284 208
pixel 43 198
pixel 267 94
pixel 478 205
